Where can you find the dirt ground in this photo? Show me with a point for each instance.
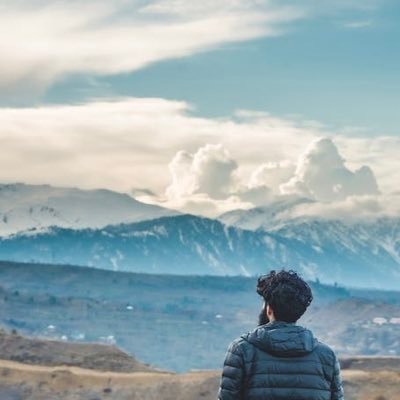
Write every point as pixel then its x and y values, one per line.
pixel 28 382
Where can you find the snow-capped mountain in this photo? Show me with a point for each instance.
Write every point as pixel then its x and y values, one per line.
pixel 181 245
pixel 351 251
pixel 262 218
pixel 99 228
pixel 331 252
pixel 36 207
pixel 348 249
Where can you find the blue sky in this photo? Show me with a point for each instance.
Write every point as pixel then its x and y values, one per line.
pixel 341 69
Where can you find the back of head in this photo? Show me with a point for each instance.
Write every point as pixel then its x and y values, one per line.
pixel 286 293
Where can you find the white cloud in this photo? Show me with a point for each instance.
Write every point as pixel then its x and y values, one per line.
pixel 200 204
pixel 353 208
pixel 125 143
pixel 209 171
pixel 208 180
pixel 322 175
pixel 42 41
pixel 128 143
pixel 272 174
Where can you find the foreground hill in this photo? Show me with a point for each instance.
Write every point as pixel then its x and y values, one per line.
pixel 55 369
pixel 28 382
pixel 36 351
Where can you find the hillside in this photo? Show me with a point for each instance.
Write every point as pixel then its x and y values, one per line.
pixel 36 351
pixel 55 369
pixel 179 323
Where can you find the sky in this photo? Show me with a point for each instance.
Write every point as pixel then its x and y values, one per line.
pixel 204 106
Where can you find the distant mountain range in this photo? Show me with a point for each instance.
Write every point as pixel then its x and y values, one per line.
pixel 36 207
pixel 243 242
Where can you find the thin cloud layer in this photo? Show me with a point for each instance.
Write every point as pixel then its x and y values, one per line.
pixel 353 208
pixel 43 41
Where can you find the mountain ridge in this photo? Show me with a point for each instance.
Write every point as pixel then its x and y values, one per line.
pixel 188 244
pixel 26 207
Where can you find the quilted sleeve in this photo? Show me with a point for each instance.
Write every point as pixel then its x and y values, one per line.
pixel 231 384
pixel 336 385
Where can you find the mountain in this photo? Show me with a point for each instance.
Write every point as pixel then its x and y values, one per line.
pixel 36 207
pixel 361 255
pixel 349 249
pixel 180 245
pixel 110 230
pixel 352 251
pixel 262 218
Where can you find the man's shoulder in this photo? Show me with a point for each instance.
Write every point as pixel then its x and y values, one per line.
pixel 326 353
pixel 237 344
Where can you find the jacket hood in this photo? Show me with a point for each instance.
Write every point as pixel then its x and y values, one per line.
pixel 282 339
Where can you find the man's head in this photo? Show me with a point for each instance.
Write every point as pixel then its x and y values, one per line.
pixel 286 296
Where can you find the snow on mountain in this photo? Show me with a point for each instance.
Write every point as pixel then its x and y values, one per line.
pixel 343 250
pixel 180 245
pixel 331 252
pixel 262 217
pixel 355 251
pixel 72 226
pixel 36 207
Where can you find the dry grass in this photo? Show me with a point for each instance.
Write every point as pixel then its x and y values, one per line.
pixel 29 382
pixel 66 371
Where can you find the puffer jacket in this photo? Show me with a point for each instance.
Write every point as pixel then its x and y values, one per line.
pixel 280 361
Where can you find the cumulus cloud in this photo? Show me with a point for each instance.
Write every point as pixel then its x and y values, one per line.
pixel 42 41
pixel 272 175
pixel 209 171
pixel 322 175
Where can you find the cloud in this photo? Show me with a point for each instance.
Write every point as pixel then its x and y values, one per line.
pixel 208 182
pixel 353 208
pixel 272 175
pixel 209 171
pixel 358 24
pixel 322 175
pixel 127 143
pixel 43 41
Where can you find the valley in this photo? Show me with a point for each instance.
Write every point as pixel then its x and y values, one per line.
pixel 180 323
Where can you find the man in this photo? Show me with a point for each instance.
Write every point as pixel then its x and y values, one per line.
pixel 280 360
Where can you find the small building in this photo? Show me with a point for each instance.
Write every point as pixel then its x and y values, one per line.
pixel 380 320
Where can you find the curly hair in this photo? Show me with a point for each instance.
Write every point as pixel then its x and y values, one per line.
pixel 287 294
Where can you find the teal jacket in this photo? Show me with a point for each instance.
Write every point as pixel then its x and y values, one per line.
pixel 280 361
